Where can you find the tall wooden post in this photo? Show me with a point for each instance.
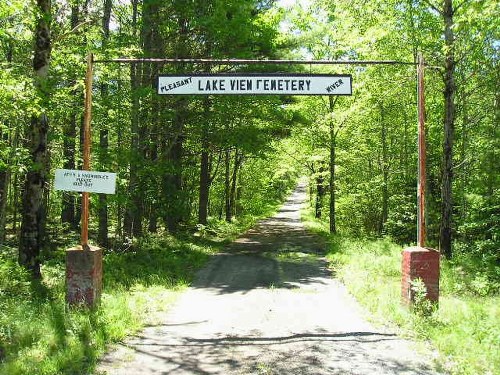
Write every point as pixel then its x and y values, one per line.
pixel 421 232
pixel 420 262
pixel 84 263
pixel 87 117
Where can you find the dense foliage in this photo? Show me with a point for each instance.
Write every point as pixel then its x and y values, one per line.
pixel 373 134
pixel 180 161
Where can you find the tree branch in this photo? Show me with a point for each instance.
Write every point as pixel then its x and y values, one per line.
pixel 433 7
pixel 73 30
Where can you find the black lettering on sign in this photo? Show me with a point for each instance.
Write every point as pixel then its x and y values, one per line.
pixel 176 84
pixel 241 84
pixel 212 85
pixel 335 85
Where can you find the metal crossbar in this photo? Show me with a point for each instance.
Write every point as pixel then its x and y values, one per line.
pixel 258 61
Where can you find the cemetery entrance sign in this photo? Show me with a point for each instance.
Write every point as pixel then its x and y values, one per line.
pixel 255 84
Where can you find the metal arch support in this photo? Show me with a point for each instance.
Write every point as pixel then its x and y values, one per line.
pixel 87 118
pixel 421 228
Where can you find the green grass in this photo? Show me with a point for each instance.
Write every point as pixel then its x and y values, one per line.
pixel 465 329
pixel 39 334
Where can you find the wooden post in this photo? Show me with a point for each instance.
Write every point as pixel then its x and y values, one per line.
pixel 87 117
pixel 421 232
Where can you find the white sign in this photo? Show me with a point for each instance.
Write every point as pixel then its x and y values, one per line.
pixel 255 84
pixel 88 181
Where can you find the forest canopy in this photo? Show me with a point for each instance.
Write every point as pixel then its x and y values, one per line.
pixel 188 161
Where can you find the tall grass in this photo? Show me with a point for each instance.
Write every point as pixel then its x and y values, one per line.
pixel 465 329
pixel 40 335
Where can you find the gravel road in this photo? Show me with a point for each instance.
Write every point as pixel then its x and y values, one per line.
pixel 268 305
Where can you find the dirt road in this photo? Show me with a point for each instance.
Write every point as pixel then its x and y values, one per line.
pixel 266 306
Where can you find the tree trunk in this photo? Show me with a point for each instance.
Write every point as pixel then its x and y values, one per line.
pixel 176 208
pixel 320 193
pixel 494 167
pixel 204 168
pixel 30 241
pixel 204 184
pixel 385 171
pixel 449 130
pixel 4 191
pixel 15 201
pixel 68 198
pixel 173 186
pixel 69 132
pixel 102 236
pixel 227 186
pixel 132 222
pixel 333 149
pixel 5 174
pixel 238 159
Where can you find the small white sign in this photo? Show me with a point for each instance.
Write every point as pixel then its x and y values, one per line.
pixel 85 181
pixel 255 84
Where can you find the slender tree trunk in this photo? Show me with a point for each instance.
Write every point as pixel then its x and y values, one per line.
pixel 4 192
pixel 227 186
pixel 238 159
pixel 173 187
pixel 405 165
pixel 15 201
pixel 204 184
pixel 493 152
pixel 320 193
pixel 333 213
pixel 449 132
pixel 153 155
pixel 120 147
pixel 102 236
pixel 463 157
pixel 69 131
pixel 133 216
pixel 5 172
pixel 68 198
pixel 30 241
pixel 385 171
pixel 176 205
pixel 333 149
pixel 132 222
pixel 204 168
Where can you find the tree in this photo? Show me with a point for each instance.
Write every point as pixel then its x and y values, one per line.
pixel 33 216
pixel 104 134
pixel 449 130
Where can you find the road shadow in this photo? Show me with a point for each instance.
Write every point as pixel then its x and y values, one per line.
pixel 303 353
pixel 275 253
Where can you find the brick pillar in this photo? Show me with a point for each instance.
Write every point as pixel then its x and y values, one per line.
pixel 83 276
pixel 423 263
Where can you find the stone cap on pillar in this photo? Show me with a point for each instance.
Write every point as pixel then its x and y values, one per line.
pixel 419 249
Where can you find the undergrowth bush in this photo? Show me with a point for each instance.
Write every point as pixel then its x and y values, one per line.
pixel 465 328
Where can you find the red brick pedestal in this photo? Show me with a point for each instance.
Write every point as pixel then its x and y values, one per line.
pixel 423 263
pixel 83 276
